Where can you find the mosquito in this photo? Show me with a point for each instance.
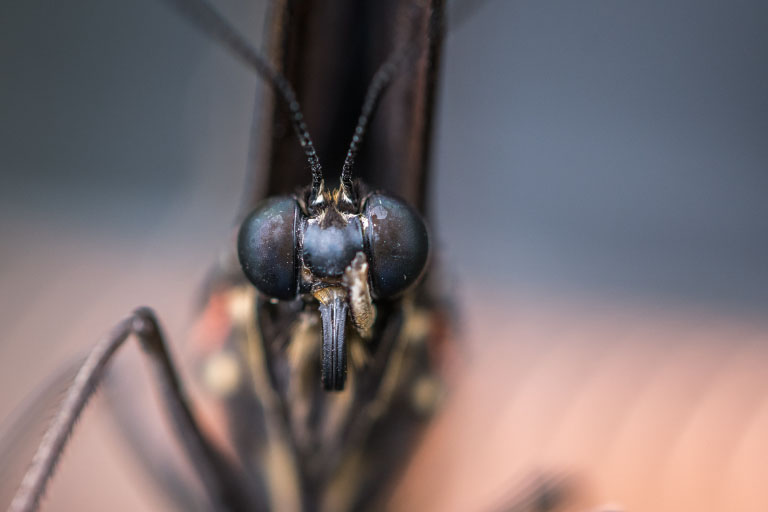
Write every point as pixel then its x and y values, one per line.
pixel 329 315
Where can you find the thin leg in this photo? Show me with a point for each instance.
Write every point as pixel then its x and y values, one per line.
pixel 217 474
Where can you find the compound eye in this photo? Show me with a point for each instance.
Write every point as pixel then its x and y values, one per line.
pixel 398 242
pixel 266 247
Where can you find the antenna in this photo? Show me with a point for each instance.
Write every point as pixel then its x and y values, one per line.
pixel 211 22
pixel 381 79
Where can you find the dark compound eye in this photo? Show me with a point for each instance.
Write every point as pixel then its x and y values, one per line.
pixel 398 242
pixel 266 246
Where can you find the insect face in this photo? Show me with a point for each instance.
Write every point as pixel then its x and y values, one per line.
pixel 340 252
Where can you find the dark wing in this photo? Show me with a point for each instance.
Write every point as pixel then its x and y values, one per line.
pixel 329 51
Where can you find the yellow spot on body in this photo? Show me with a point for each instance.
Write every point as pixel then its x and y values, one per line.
pixel 222 373
pixel 426 394
pixel 241 305
pixel 280 471
pixel 417 326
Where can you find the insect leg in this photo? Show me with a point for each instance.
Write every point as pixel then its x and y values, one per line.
pixel 217 474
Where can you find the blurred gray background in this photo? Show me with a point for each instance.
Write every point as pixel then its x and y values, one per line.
pixel 613 146
pixel 603 151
